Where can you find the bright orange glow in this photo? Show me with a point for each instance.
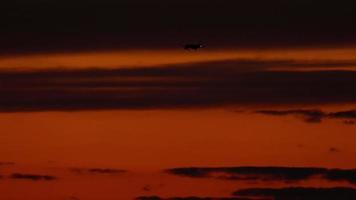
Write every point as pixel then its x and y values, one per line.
pixel 153 58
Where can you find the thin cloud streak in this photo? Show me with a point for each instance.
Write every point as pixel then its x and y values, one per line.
pixel 97 171
pixel 271 173
pixel 32 177
pixel 314 116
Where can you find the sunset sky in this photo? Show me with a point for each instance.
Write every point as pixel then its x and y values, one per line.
pixel 100 101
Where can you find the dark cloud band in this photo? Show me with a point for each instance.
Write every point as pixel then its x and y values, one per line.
pixel 285 174
pixel 32 177
pixel 299 193
pixel 195 85
pixel 314 116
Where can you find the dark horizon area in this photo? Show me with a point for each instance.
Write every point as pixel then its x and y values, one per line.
pixel 52 26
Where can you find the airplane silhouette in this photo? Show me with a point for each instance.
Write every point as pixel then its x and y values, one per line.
pixel 193 46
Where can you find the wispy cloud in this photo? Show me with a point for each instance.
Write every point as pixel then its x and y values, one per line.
pixel 32 177
pixel 97 170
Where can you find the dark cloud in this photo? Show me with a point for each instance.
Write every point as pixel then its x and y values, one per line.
pixel 334 150
pixel 286 174
pixel 348 114
pixel 251 173
pixel 109 24
pixel 314 116
pixel 192 198
pixel 33 177
pixel 341 175
pixel 193 85
pixel 300 193
pixel 98 170
pixel 311 116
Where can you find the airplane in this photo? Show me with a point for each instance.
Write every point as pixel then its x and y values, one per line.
pixel 193 46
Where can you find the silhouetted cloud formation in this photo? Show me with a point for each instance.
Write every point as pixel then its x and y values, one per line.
pixel 192 198
pixel 33 177
pixel 251 173
pixel 341 175
pixel 311 116
pixel 98 170
pixel 314 116
pixel 300 193
pixel 286 174
pixel 193 85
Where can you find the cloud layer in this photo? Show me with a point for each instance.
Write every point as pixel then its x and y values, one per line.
pixel 288 193
pixel 193 85
pixel 285 174
pixel 314 116
pixel 299 193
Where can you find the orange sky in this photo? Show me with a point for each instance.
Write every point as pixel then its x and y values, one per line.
pixel 146 141
pixel 156 139
pixel 105 100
